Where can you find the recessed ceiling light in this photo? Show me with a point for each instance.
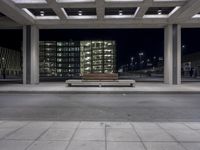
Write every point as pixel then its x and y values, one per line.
pixel 120 12
pixel 80 13
pixel 159 12
pixel 41 13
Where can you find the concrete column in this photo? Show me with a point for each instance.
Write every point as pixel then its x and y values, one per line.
pixel 172 54
pixel 30 55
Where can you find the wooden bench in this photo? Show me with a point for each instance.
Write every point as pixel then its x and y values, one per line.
pixel 100 80
pixel 100 76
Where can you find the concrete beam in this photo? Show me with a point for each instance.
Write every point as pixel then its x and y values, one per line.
pixel 53 4
pixel 7 7
pixel 186 12
pixel 143 9
pixel 100 5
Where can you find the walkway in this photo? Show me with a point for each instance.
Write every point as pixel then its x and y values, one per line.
pixel 59 87
pixel 20 135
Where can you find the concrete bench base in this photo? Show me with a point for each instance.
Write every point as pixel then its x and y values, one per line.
pixel 100 83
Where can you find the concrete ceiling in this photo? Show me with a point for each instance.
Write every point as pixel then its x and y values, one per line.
pixel 184 12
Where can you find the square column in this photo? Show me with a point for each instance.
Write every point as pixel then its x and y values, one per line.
pixel 172 55
pixel 30 55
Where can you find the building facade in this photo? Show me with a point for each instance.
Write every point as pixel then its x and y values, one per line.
pixel 11 62
pixel 70 59
pixel 59 59
pixel 98 57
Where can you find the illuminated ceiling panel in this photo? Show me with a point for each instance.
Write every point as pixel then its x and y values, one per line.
pixel 41 13
pixel 169 0
pixel 80 13
pixel 29 1
pixel 74 1
pixel 159 10
pixel 127 12
pixel 197 15
pixel 123 0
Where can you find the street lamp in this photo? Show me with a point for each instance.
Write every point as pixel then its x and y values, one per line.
pixel 140 55
pixel 132 63
pixel 3 67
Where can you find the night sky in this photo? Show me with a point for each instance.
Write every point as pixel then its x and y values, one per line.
pixel 129 42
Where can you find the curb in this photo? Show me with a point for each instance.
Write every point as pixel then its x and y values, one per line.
pixel 99 92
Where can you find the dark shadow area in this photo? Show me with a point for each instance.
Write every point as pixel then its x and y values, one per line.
pixel 190 55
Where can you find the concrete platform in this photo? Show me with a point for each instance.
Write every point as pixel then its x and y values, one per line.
pixel 35 135
pixel 59 87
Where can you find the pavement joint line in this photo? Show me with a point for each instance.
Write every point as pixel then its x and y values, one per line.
pixel 4 138
pixel 99 92
pixel 176 140
pixel 190 127
pixel 141 141
pixel 71 139
pixel 37 138
pixel 106 142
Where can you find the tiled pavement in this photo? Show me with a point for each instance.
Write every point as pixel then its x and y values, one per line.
pixel 22 135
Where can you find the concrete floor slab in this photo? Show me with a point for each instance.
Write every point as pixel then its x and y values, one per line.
pixel 99 138
pixel 121 135
pixel 95 125
pixel 193 125
pixel 154 135
pixel 146 126
pixel 64 125
pixel 26 134
pixel 191 146
pixel 14 145
pixel 120 125
pixel 163 146
pixel 185 135
pixel 86 145
pixel 48 145
pixel 90 134
pixel 173 126
pixel 58 134
pixel 39 124
pixel 13 124
pixel 6 131
pixel 125 146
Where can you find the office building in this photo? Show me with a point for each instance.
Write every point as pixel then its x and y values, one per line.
pixel 10 62
pixel 59 59
pixel 70 59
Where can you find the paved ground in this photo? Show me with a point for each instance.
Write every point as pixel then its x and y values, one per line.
pixel 98 136
pixel 141 87
pixel 101 107
pixel 99 121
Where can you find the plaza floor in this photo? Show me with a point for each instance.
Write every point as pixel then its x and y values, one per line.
pixel 99 121
pixel 22 135
pixel 141 87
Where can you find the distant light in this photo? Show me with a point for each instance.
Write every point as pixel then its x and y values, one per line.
pixel 159 12
pixel 80 13
pixel 141 54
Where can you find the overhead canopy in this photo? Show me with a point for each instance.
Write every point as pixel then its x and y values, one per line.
pixel 49 14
